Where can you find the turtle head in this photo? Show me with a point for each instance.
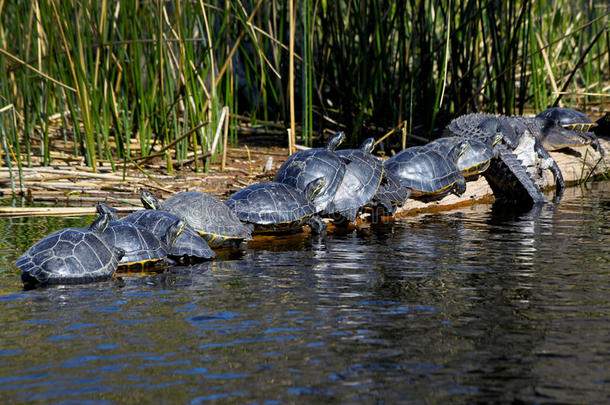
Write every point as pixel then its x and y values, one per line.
pixel 567 118
pixel 368 145
pixel 497 130
pixel 335 140
pixel 173 232
pixel 149 201
pixel 314 187
pixel 103 208
pixel 100 224
pixel 459 187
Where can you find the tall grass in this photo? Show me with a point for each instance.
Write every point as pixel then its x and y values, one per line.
pixel 115 81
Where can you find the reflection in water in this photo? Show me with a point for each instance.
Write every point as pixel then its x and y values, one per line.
pixel 471 306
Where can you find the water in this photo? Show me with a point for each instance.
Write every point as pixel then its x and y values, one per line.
pixel 463 307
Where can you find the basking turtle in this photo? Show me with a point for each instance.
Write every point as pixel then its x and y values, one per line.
pixel 471 156
pixel 563 127
pixel 389 195
pixel 141 245
pixel 277 207
pixel 71 255
pixel 363 173
pixel 305 166
pixel 206 214
pixel 428 174
pixel 189 245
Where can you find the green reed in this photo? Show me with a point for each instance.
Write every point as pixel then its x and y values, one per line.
pixel 118 80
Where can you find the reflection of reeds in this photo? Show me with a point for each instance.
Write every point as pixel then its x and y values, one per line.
pixel 113 81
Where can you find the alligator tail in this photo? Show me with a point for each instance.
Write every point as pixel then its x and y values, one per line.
pixel 510 181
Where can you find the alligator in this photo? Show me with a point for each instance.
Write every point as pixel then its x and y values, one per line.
pixel 553 129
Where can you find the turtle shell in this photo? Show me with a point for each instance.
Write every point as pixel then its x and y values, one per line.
pixel 471 156
pixel 209 216
pixel 391 190
pixel 71 255
pixel 303 167
pixel 271 206
pixel 363 174
pixel 569 119
pixel 188 246
pixel 426 172
pixel 141 246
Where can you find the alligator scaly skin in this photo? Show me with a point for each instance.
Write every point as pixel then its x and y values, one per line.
pixel 507 176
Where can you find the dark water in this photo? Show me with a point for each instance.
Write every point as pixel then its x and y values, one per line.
pixel 464 307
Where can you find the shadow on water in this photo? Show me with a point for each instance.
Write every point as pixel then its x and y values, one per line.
pixel 474 305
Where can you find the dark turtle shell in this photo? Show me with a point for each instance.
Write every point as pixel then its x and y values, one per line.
pixel 363 174
pixel 206 214
pixel 189 246
pixel 471 156
pixel 272 206
pixel 71 255
pixel 569 119
pixel 303 167
pixel 141 246
pixel 426 172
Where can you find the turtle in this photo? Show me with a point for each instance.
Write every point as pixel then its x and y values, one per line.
pixel 277 207
pixel 70 256
pixel 305 166
pixel 363 174
pixel 141 245
pixel 427 173
pixel 471 156
pixel 390 195
pixel 206 214
pixel 188 247
pixel 564 127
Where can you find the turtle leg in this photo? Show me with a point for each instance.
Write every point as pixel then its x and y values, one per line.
pixel 316 224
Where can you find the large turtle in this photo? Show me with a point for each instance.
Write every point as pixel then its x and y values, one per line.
pixel 363 174
pixel 206 214
pixel 305 166
pixel 71 255
pixel 277 207
pixel 141 245
pixel 471 156
pixel 428 174
pixel 189 245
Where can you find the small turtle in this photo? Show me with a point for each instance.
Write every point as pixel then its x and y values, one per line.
pixel 277 207
pixel 141 245
pixel 305 166
pixel 189 245
pixel 563 127
pixel 71 255
pixel 206 214
pixel 363 173
pixel 471 156
pixel 428 174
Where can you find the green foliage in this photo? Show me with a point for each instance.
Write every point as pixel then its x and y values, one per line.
pixel 123 79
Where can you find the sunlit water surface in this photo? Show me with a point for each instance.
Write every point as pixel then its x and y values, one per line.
pixel 468 306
